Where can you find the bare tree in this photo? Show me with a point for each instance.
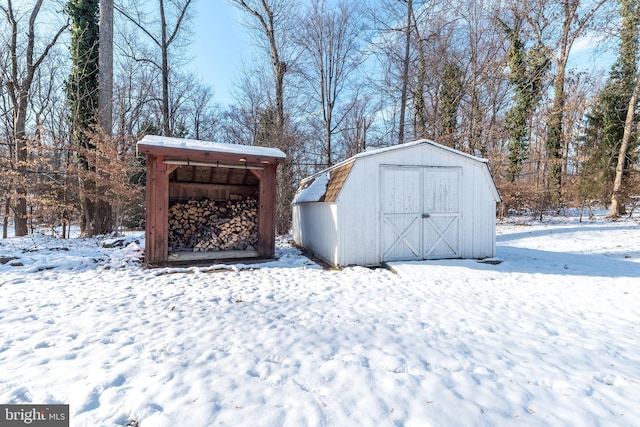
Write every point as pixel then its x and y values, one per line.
pixel 358 122
pixel 134 96
pixel 435 51
pixel 18 78
pixel 271 23
pixel 393 40
pixel 201 113
pixel 616 196
pixel 576 17
pixel 172 21
pixel 329 39
pixel 254 94
pixel 483 60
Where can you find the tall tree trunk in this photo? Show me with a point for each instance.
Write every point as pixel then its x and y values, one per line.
pixel 5 217
pixel 265 14
pixel 105 58
pixel 20 141
pixel 103 216
pixel 617 199
pixel 279 70
pixel 576 17
pixel 405 73
pixel 555 133
pixel 555 138
pixel 166 131
pixel 418 97
pixel 84 95
pixel 327 139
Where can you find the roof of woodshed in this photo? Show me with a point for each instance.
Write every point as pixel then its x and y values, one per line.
pixel 160 144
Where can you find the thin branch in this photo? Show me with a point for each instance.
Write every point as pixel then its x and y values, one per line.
pixel 137 24
pixel 179 23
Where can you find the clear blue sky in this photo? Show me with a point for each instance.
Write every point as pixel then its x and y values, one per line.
pixel 219 46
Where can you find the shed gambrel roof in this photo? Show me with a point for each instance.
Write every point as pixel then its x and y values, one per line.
pixel 336 175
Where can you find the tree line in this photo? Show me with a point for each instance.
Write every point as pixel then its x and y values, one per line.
pixel 82 80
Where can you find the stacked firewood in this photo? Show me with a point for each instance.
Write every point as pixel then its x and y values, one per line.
pixel 207 225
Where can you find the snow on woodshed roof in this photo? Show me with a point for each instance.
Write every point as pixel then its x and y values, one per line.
pixel 214 147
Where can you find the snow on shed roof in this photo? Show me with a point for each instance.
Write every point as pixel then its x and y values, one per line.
pixel 214 147
pixel 314 191
pixel 337 174
pixel 326 185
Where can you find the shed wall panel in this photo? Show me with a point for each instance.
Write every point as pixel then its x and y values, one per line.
pixel 483 214
pixel 315 228
pixel 358 216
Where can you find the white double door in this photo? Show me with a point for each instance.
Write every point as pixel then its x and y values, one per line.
pixel 420 212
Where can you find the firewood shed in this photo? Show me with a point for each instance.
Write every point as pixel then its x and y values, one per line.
pixel 208 200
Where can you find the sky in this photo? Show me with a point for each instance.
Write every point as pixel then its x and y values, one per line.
pixel 219 46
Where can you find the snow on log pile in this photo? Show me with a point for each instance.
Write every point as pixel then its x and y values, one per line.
pixel 207 225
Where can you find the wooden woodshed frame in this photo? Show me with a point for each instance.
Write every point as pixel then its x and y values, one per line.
pixel 165 156
pixel 414 201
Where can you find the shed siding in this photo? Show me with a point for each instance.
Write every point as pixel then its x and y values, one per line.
pixel 350 231
pixel 359 207
pixel 482 215
pixel 359 202
pixel 315 228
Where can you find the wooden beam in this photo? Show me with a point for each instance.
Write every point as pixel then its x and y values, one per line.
pixel 202 256
pixel 257 173
pixel 207 156
pixel 240 165
pixel 266 212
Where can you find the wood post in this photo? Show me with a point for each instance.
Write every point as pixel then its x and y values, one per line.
pixel 266 212
pixel 157 204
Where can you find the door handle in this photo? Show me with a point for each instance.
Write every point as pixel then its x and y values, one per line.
pixel 425 215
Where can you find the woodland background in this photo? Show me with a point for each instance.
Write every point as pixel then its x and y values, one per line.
pixel 82 80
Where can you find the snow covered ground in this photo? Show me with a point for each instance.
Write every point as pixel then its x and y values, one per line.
pixel 548 337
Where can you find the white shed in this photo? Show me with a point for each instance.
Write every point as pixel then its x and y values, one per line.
pixel 413 201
